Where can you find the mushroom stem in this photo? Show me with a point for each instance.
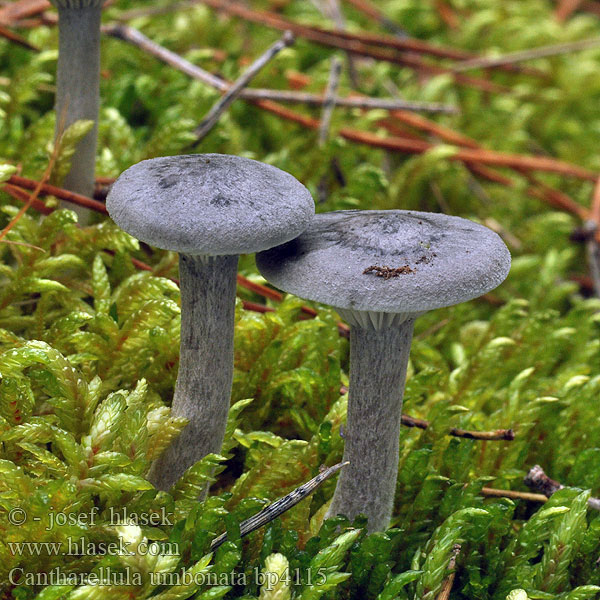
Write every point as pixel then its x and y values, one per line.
pixel 378 361
pixel 78 87
pixel 203 389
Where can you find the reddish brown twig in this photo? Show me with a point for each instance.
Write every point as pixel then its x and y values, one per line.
pixel 447 14
pixel 565 9
pixel 15 38
pixel 22 196
pixel 539 190
pixel 372 46
pixel 46 188
pixel 472 155
pixel 359 42
pixel 15 11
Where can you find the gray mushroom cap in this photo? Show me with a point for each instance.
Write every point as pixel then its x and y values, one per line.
pixel 440 261
pixel 212 204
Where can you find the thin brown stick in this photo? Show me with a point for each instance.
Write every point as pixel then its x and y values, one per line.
pixel 468 155
pixel 539 190
pixel 37 188
pixel 46 188
pixel 138 39
pixel 330 99
pixel 524 55
pixel 23 196
pixel 15 11
pixel 221 106
pixel 15 38
pixel 565 9
pixel 449 581
pixel 447 14
pixel 362 45
pixel 513 495
pixel 496 435
pixel 372 11
pixel 537 479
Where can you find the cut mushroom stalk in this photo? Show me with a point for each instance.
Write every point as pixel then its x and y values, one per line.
pixel 381 270
pixel 210 208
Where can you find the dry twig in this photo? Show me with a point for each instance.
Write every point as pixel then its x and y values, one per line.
pixel 15 38
pixel 234 91
pixel 513 495
pixel 46 188
pixel 449 581
pixel 15 11
pixel 537 479
pixel 514 57
pixel 368 45
pixel 330 99
pixel 565 8
pixel 271 512
pixel 496 435
pixel 138 39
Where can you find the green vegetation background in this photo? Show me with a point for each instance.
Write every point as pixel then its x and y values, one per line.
pixel 88 345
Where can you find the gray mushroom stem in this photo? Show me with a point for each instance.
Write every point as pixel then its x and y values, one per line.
pixel 78 84
pixel 378 361
pixel 203 389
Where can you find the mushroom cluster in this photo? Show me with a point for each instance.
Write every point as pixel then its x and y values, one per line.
pixel 379 269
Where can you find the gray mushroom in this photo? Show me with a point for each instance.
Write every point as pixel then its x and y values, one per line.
pixel 381 270
pixel 210 208
pixel 78 85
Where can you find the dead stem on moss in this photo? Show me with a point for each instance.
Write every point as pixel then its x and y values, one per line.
pixel 330 99
pixel 538 480
pixel 234 90
pixel 449 581
pixel 277 508
pixel 513 495
pixel 62 194
pixel 495 435
pixel 138 39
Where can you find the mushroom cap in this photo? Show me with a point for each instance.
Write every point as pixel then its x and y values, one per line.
pixel 432 260
pixel 212 204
